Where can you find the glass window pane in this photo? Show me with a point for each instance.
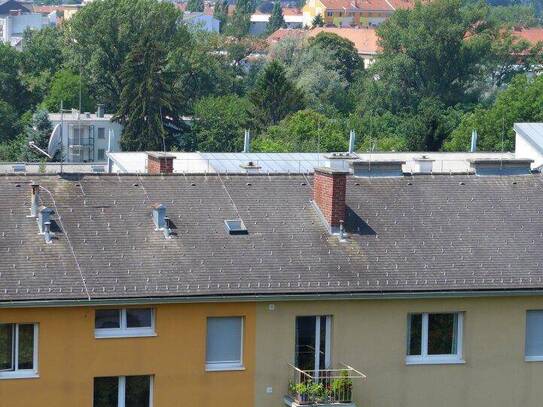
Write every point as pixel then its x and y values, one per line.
pixel 138 318
pixel 106 391
pixel 305 343
pixel 137 391
pixel 26 346
pixel 223 340
pixel 6 347
pixel 107 318
pixel 442 334
pixel 414 336
pixel 534 333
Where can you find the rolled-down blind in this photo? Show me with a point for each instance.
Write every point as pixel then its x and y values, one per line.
pixel 224 340
pixel 534 333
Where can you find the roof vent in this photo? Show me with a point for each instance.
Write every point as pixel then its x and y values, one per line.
pixel 486 167
pixel 339 161
pixel 235 227
pixel 423 165
pixel 251 167
pixel 44 223
pixel 161 220
pixel 34 200
pixel 367 168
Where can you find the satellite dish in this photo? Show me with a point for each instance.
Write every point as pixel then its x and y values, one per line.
pixel 55 140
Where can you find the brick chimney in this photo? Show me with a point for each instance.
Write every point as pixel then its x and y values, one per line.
pixel 159 163
pixel 329 196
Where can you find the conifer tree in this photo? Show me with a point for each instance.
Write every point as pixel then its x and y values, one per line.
pixel 277 20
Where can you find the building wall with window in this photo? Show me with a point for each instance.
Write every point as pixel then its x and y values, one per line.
pixel 371 336
pixel 70 358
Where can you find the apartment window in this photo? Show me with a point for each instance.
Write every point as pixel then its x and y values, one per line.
pixel 434 338
pixel 101 133
pixel 101 154
pixel 224 343
pixel 123 391
pixel 534 336
pixel 330 13
pixel 114 323
pixel 18 350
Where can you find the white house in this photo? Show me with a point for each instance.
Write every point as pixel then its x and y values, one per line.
pixel 259 21
pixel 84 137
pixel 15 19
pixel 201 21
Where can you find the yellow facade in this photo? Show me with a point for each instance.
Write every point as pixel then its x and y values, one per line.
pixel 370 335
pixel 70 357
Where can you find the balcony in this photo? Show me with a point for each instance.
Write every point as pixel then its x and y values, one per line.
pixel 328 387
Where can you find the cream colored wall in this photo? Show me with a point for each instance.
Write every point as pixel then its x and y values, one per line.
pixel 370 335
pixel 70 357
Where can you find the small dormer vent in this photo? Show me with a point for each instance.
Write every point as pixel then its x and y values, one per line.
pixel 161 221
pixel 506 166
pixel 235 227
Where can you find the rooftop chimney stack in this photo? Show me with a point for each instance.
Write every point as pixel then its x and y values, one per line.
pixel 247 142
pixel 160 163
pixel 352 141
pixel 473 148
pixel 329 192
pixel 35 200
pixel 100 111
pixel 161 220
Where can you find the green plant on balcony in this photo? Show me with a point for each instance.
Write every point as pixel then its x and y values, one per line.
pixel 341 388
pixel 300 391
pixel 317 392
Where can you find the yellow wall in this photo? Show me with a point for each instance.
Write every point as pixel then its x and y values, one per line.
pixel 70 357
pixel 370 335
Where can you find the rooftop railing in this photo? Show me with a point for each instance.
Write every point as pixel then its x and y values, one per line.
pixel 323 387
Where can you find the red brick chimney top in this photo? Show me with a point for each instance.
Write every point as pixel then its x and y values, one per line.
pixel 329 195
pixel 159 163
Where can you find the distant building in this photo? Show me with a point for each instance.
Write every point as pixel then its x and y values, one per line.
pixel 15 18
pixel 84 137
pixel 201 21
pixel 259 21
pixel 348 13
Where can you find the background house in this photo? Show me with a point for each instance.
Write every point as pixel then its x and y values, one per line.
pixel 15 18
pixel 201 21
pixel 259 21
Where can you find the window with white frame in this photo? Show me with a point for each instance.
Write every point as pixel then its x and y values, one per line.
pixel 434 338
pixel 224 343
pixel 123 391
pixel 114 323
pixel 533 351
pixel 18 350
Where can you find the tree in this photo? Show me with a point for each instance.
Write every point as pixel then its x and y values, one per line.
pixel 65 87
pixel 276 20
pixel 219 123
pixel 240 22
pixel 39 133
pixel 102 33
pixel 9 122
pixel 220 12
pixel 317 21
pixel 12 90
pixel 304 131
pixel 522 101
pixel 148 106
pixel 195 5
pixel 274 96
pixel 347 61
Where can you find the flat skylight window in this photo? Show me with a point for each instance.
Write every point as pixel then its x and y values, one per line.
pixel 235 227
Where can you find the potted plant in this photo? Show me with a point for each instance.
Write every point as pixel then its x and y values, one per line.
pixel 301 391
pixel 316 392
pixel 342 387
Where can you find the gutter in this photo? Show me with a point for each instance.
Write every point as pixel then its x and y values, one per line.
pixel 271 298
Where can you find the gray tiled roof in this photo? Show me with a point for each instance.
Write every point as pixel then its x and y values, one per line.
pixel 422 233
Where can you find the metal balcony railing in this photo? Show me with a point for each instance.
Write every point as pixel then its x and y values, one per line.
pixel 323 387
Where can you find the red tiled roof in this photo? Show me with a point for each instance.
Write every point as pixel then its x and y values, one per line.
pixel 365 40
pixel 292 11
pixel 284 33
pixel 532 35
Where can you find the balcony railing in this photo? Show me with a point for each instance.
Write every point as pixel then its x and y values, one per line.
pixel 323 387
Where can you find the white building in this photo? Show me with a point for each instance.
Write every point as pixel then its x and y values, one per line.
pixel 84 137
pixel 259 22
pixel 201 21
pixel 529 142
pixel 15 19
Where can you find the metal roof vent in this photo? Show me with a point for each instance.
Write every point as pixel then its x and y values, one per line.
pixel 161 221
pixel 34 200
pixel 507 166
pixel 235 227
pixel 367 168
pixel 44 223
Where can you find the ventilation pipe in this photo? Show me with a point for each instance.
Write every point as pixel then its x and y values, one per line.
pixel 473 141
pixel 247 142
pixel 161 220
pixel 100 111
pixel 44 223
pixel 352 141
pixel 35 200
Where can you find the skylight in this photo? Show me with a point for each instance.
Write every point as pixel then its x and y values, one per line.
pixel 235 227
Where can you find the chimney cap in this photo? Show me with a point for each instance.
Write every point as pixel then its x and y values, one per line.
pixel 159 154
pixel 331 171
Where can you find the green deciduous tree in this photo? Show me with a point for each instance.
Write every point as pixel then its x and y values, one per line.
pixel 304 131
pixel 522 101
pixel 148 106
pixel 274 96
pixel 9 122
pixel 220 12
pixel 12 90
pixel 220 122
pixel 65 87
pixel 239 23
pixel 195 5
pixel 276 20
pixel 39 133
